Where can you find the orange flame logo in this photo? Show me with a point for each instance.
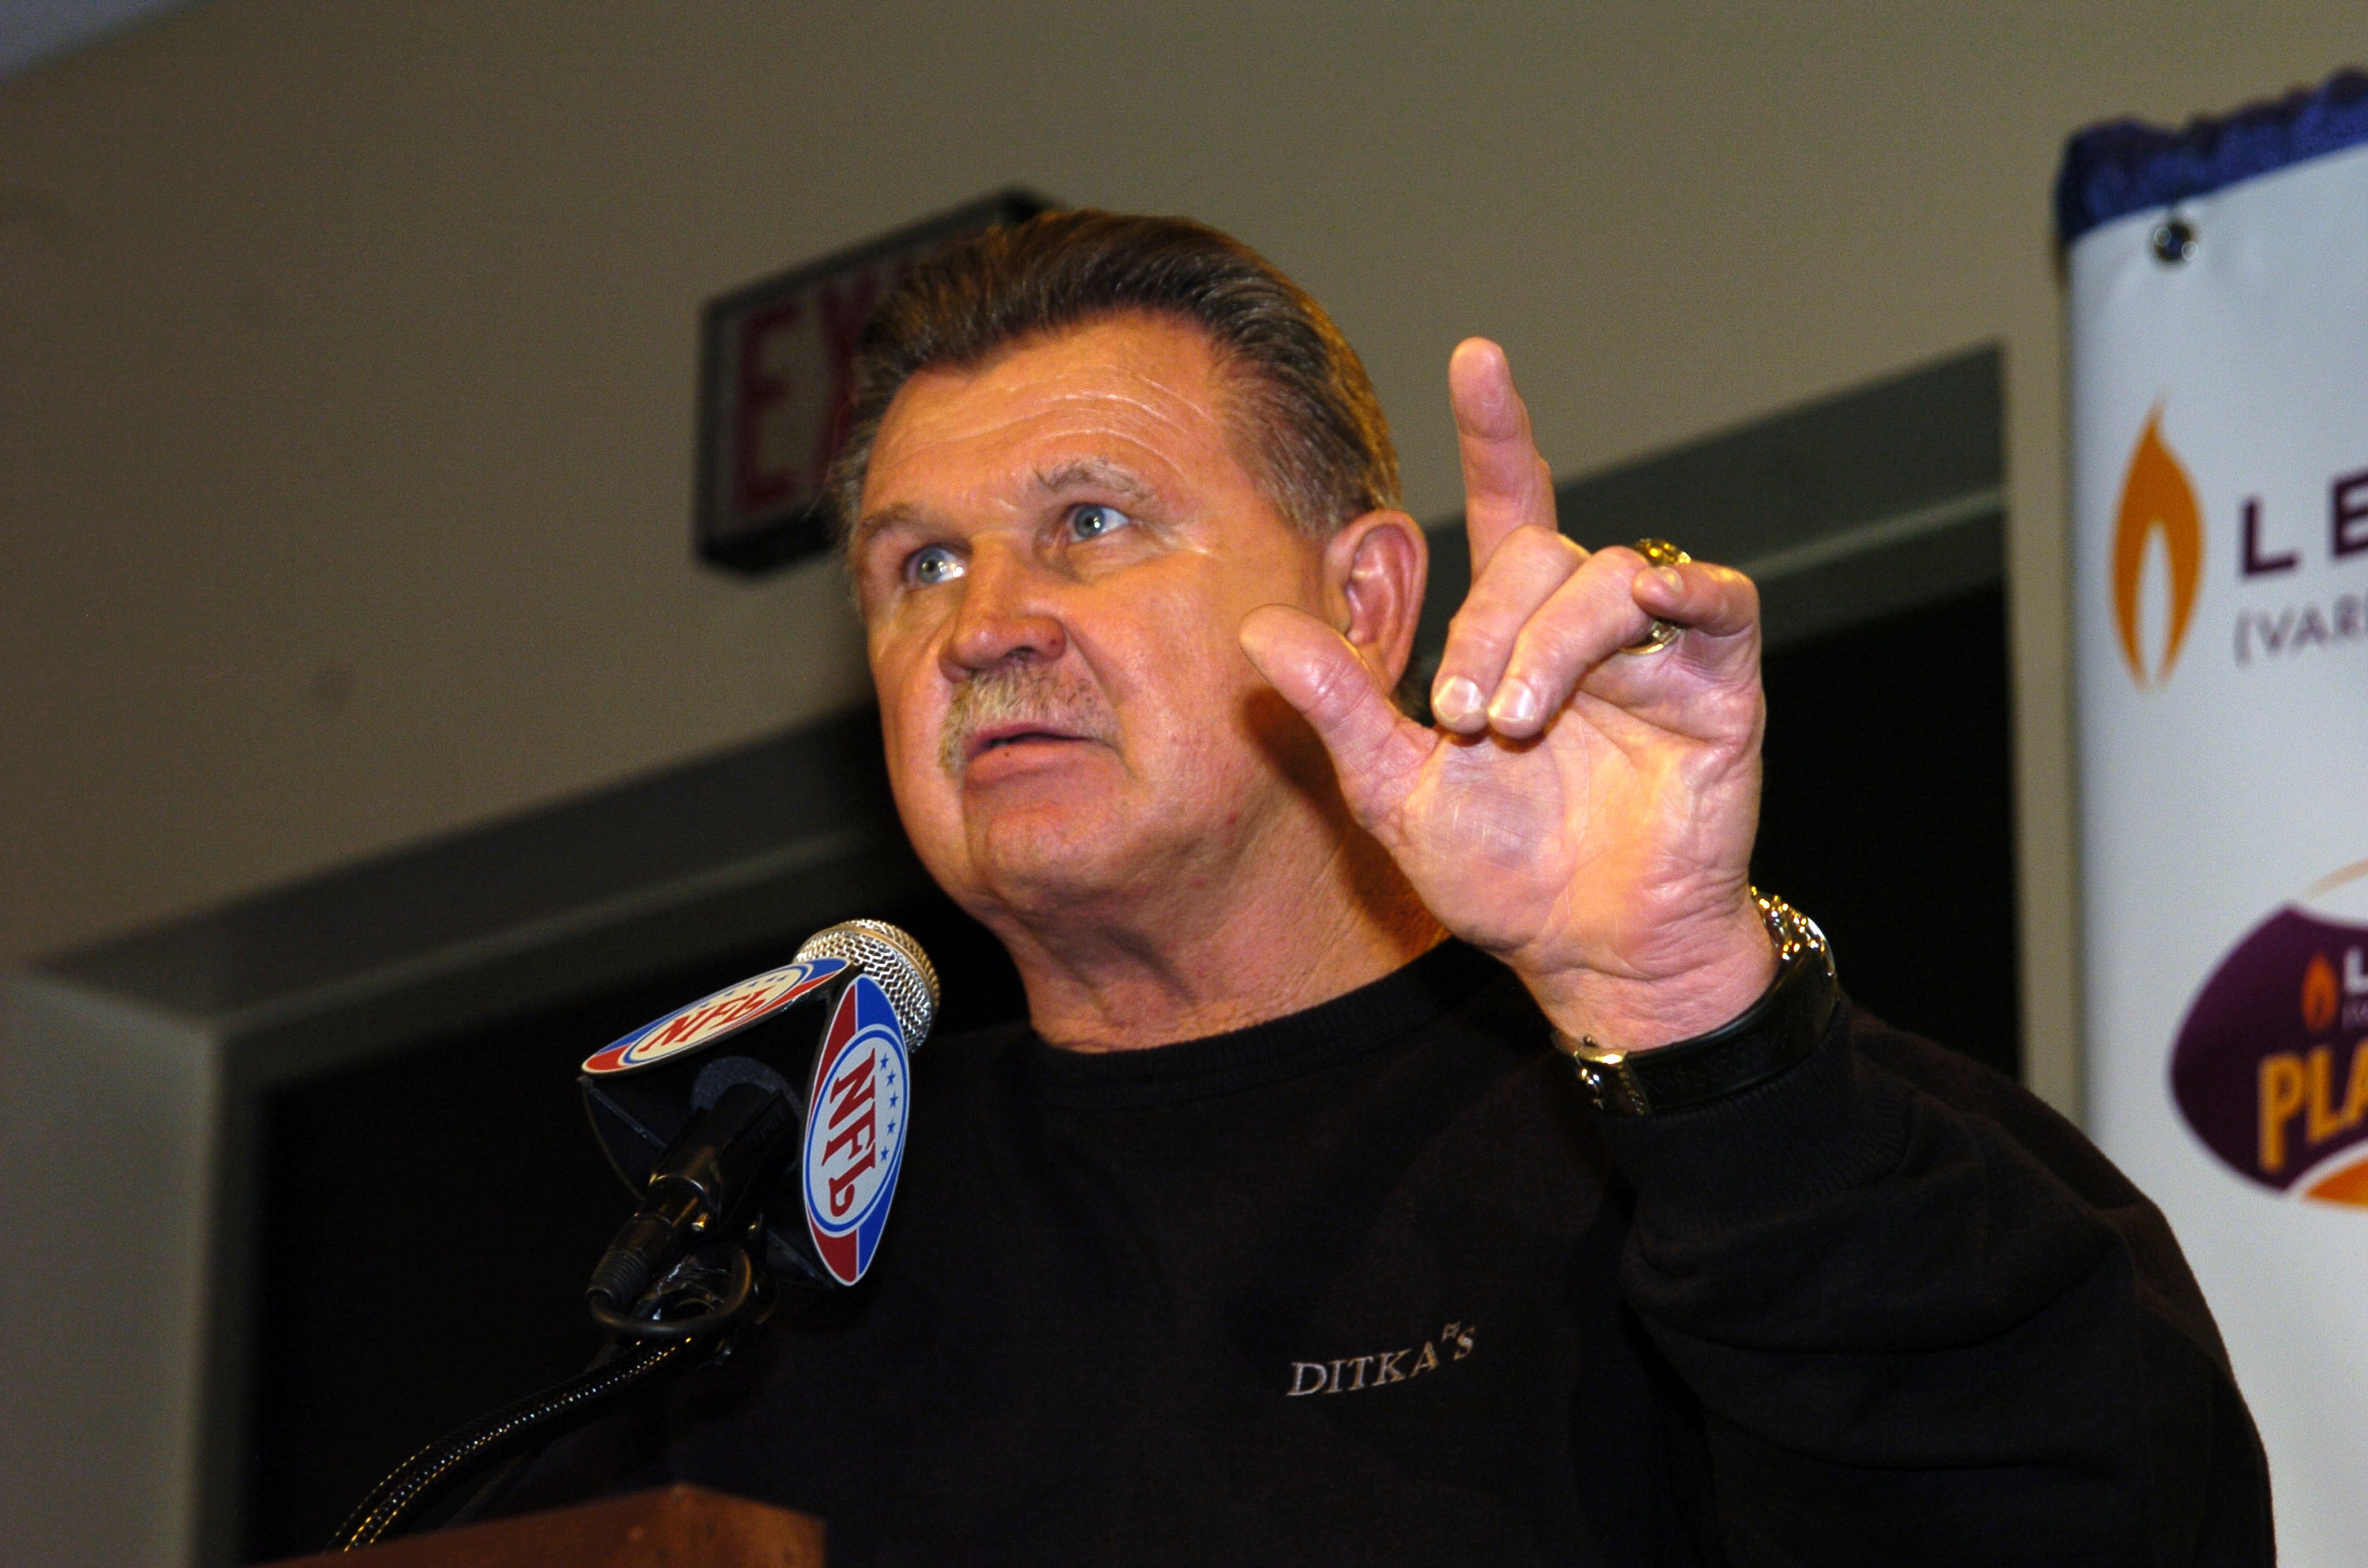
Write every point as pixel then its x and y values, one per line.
pixel 2319 997
pixel 2156 496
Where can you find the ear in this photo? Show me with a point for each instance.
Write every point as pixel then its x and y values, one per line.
pixel 1375 569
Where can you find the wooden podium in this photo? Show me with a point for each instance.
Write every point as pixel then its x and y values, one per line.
pixel 674 1526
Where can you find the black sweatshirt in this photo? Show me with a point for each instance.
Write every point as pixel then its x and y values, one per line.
pixel 1373 1284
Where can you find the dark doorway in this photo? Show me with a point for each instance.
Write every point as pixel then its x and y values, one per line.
pixel 1888 815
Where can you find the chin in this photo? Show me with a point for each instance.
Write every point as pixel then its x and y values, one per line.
pixel 1067 854
pixel 1045 863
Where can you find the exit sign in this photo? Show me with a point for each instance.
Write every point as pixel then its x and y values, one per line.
pixel 776 370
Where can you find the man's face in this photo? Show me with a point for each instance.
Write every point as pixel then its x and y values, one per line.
pixel 1053 555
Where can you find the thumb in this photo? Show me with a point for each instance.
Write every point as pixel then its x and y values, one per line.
pixel 1374 747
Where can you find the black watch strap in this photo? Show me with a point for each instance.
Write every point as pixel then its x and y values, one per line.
pixel 1773 1034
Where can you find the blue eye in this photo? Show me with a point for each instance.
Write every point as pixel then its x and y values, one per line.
pixel 1093 519
pixel 932 565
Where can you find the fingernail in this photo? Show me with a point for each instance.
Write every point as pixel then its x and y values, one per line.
pixel 1515 704
pixel 1671 578
pixel 1455 700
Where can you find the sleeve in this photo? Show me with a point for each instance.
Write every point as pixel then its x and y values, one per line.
pixel 1926 1321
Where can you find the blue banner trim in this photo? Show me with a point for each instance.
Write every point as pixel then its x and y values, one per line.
pixel 2127 166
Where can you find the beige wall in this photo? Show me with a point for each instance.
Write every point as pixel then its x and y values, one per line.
pixel 347 350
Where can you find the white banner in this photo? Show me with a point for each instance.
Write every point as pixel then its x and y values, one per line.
pixel 2220 513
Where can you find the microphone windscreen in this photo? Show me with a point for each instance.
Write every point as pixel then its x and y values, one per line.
pixel 893 960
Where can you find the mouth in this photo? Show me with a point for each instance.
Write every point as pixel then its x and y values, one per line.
pixel 1005 737
pixel 1006 721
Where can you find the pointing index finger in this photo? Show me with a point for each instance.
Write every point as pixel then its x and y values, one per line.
pixel 1505 483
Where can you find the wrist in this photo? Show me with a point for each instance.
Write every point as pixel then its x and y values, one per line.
pixel 1732 967
pixel 1766 1040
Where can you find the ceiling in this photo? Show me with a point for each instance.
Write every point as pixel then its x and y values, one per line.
pixel 32 30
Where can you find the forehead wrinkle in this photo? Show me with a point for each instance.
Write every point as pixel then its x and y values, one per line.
pixel 1169 410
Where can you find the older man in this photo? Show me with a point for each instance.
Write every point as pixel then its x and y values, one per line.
pixel 1284 1231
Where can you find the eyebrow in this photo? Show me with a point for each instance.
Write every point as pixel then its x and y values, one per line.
pixel 1090 472
pixel 1077 474
pixel 874 522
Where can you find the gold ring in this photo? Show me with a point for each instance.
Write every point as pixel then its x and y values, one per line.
pixel 1661 634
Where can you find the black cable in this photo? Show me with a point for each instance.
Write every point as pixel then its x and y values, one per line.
pixel 463 1451
pixel 598 1301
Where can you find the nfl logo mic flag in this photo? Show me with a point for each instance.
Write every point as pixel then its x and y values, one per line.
pixel 2219 401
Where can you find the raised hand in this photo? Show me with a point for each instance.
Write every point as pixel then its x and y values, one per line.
pixel 1583 812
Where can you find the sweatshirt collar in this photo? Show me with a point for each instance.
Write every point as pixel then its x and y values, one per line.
pixel 1324 1035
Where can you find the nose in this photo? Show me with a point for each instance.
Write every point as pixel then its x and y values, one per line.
pixel 1005 616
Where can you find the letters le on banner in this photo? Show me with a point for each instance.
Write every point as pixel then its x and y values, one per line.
pixel 2219 317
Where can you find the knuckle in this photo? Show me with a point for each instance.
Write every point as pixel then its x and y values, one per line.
pixel 1604 582
pixel 1552 648
pixel 1475 629
pixel 1621 560
pixel 1538 544
pixel 1328 695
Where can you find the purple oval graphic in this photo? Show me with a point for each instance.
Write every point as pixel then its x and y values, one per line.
pixel 2270 1068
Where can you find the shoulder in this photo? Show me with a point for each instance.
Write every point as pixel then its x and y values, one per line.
pixel 1970 1088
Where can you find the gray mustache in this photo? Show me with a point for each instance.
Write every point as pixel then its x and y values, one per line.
pixel 1021 695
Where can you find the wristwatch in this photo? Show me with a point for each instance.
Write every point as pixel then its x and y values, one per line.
pixel 1773 1034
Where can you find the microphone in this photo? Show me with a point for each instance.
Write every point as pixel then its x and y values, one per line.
pixel 791 1139
pixel 789 1142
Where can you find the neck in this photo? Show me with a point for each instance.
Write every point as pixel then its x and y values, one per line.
pixel 1293 930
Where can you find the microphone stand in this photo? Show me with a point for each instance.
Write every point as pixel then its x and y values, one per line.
pixel 681 1323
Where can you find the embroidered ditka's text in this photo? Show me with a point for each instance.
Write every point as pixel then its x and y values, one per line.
pixel 1354 1374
